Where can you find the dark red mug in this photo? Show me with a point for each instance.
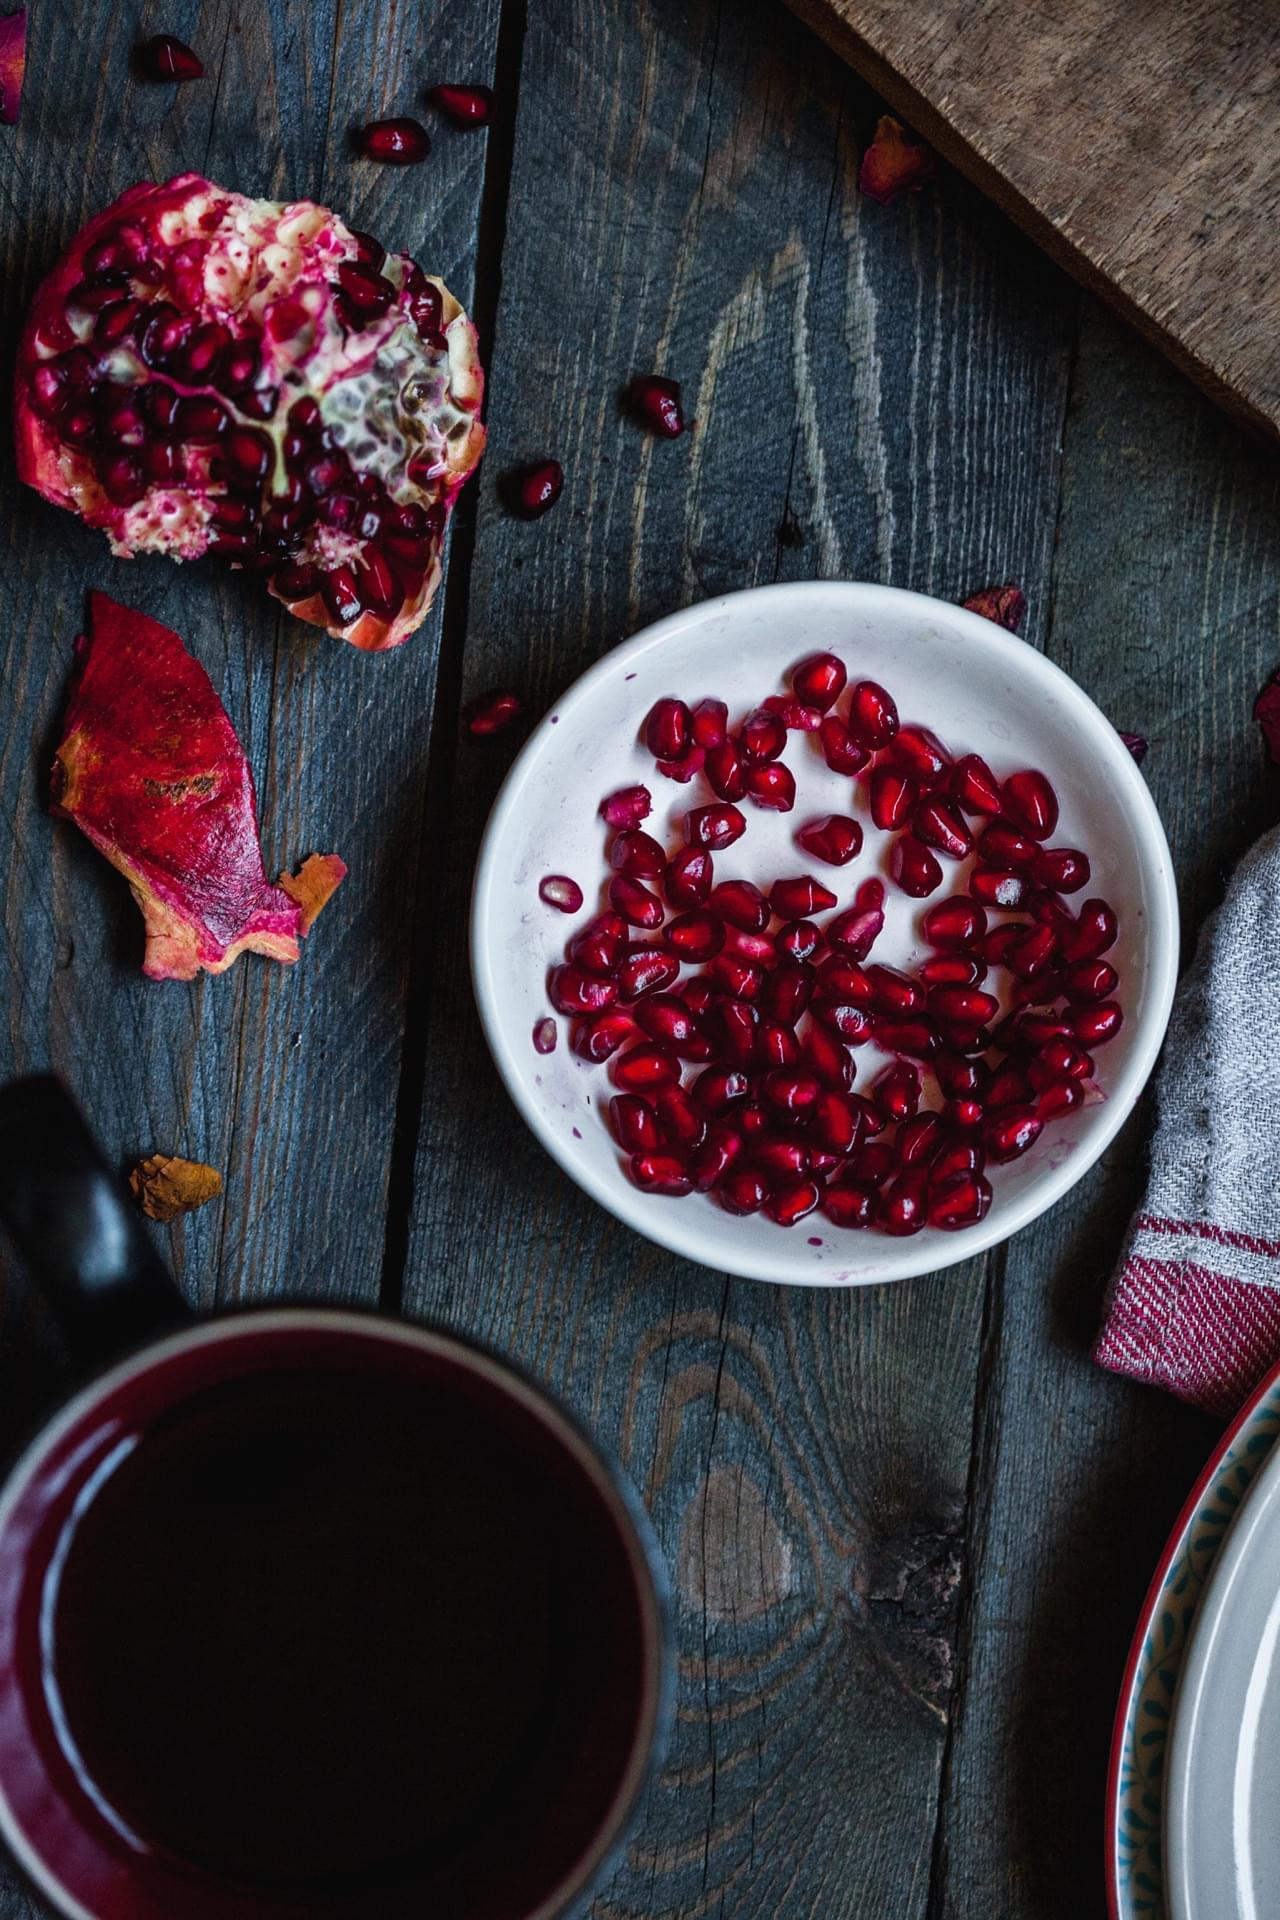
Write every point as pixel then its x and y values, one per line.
pixel 305 1614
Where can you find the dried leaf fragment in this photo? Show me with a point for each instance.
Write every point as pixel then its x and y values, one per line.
pixel 1266 711
pixel 152 773
pixel 13 65
pixel 165 1186
pixel 893 163
pixel 1005 605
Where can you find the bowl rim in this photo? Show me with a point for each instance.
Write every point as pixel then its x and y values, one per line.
pixel 896 1259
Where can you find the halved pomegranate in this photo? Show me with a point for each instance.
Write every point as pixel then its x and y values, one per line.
pixel 202 372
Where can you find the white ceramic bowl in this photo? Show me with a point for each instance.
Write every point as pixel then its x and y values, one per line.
pixel 984 691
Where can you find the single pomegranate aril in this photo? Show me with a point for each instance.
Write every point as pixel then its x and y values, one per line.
pixel 964 1113
pixel 996 889
pixel 963 1006
pixel 796 899
pixel 714 827
pixel 627 807
pixel 1061 869
pixel 771 785
pixel 893 991
pixel 664 1173
pixel 710 724
pixel 599 945
pixel 835 1123
pixel 788 992
pixel 687 768
pixel 973 785
pixel 1094 932
pixel 667 1019
pixel 1010 1132
pixel 939 824
pixel 635 903
pixel 959 1156
pixel 835 838
pixel 777 1046
pixel 558 891
pixel 955 923
pixel 688 877
pixel 844 980
pixel 741 904
pixel 695 937
pixel 740 979
pixel 710 1162
pixel 699 995
pixel 742 1191
pixel 1138 745
pixel 400 143
pixel 897 1090
pixel 720 1088
pixel 668 730
pixel 850 1203
pixel 792 1200
pixel 736 1024
pixel 893 798
pixel 1090 980
pixel 913 868
pixel 961 1201
pixel 762 736
pixel 1032 953
pixel 873 716
pixel 490 712
pixel 845 1017
pixel 919 752
pixel 918 1140
pixel 655 402
pixel 573 990
pixel 682 1125
pixel 918 1036
pixel 959 1075
pixel 1059 1097
pixel 1095 1025
pixel 726 771
pixel 790 1092
pixel 840 750
pixel 463 106
pixel 634 1125
pixel 544 1035
pixel 800 940
pixel 820 680
pixel 856 930
pixel 164 58
pixel 637 854
pixel 532 491
pixel 827 1058
pixel 1031 803
pixel 643 1067
pixel 873 1162
pixel 1001 845
pixel 1058 1059
pixel 903 1206
pixel 794 715
pixel 779 1159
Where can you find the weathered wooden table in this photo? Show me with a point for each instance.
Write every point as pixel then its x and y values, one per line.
pixel 910 1528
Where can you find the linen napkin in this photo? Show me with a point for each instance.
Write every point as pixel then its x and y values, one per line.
pixel 1195 1304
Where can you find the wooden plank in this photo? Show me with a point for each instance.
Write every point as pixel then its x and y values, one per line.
pixel 874 396
pixel 1138 144
pixel 1167 608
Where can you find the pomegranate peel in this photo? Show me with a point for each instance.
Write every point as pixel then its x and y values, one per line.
pixel 166 1185
pixel 13 65
pixel 893 163
pixel 150 770
pixel 1005 605
pixel 202 372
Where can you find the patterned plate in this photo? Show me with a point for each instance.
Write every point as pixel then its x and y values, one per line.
pixel 1135 1785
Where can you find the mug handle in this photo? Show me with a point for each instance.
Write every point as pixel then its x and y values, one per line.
pixel 75 1228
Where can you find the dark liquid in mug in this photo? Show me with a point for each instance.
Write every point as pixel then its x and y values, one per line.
pixel 302 1630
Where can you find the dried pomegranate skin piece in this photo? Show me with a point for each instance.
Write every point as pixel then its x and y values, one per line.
pixel 1005 605
pixel 151 771
pixel 349 383
pixel 893 163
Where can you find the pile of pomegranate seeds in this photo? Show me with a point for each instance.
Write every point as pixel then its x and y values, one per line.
pixel 731 1016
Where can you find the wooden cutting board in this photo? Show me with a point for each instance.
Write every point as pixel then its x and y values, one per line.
pixel 1137 140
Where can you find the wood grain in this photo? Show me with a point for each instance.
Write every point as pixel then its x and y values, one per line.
pixel 1136 143
pixel 873 397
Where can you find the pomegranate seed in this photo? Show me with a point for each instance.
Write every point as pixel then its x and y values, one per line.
pixel 1061 869
pixel 1094 1025
pixel 913 867
pixel 939 824
pixel 1059 1097
pixel 1094 932
pixel 821 1162
pixel 873 1162
pixel 893 991
pixel 958 922
pixel 918 1140
pixel 997 889
pixel 1028 1031
pixel 959 1156
pixel 1010 1132
pixel 627 807
pixel 598 946
pixel 963 1006
pixel 856 930
pixel 840 750
pixel 916 1036
pixel 820 680
pixel 741 904
pixel 688 877
pixel 771 785
pixel 740 979
pixel 800 940
pixel 573 990
pixel 920 753
pixel 532 491
pixel 637 854
pixel 752 1118
pixel 635 903
pixel 558 891
pixel 834 1123
pixel 401 143
pixel 695 937
pixel 1137 746
pixel 1058 1059
pixel 682 1125
pixel 845 980
pixel 850 1204
pixel 1032 954
pixel 845 1017
pixel 737 1024
pixel 597 1038
pixel 835 838
pixel 788 992
pixel 964 1113
pixel 717 1154
pixel 666 1018
pixel 164 58
pixel 726 772
pixel 779 1159
pixel 896 1091
pixel 122 481
pixel 714 826
pixel 368 294
pixel 789 1091
pixel 644 1066
pixel 710 724
pixel 544 1035
pixel 952 970
pixel 795 717
pixel 893 797
pixel 958 1075
pixel 827 1059
pixel 1051 912
pixel 762 736
pixel 668 730
pixel 742 1192
pixel 796 899
pixel 1031 803
pixel 1000 845
pixel 685 769
pixel 873 717
pixel 699 995
pixel 655 403
pixel 873 1123
pixel 903 1206
pixel 664 1173
pixel 974 786
pixel 720 1088
pixel 777 1046
pixel 961 1201
pixel 634 1125
pixel 792 1200
pixel 464 106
